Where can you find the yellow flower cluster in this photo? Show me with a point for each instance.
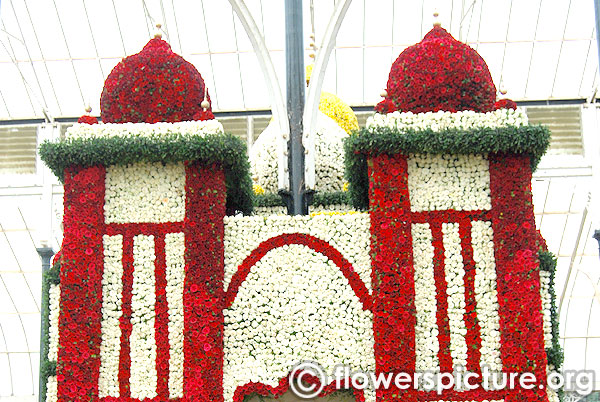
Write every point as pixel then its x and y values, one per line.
pixel 258 189
pixel 333 213
pixel 340 112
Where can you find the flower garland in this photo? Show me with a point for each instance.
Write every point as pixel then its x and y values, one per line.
pixel 156 130
pixel 441 120
pixel 332 106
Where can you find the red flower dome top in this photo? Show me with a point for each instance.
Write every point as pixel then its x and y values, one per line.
pixel 154 85
pixel 440 73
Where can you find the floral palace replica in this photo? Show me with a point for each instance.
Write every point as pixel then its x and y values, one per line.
pixel 169 287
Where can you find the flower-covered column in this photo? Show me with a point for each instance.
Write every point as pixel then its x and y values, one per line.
pixel 515 242
pixel 81 285
pixel 203 289
pixel 393 272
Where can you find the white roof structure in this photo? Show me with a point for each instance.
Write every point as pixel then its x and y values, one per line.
pixel 55 55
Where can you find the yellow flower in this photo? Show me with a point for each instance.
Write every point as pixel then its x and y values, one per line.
pixel 345 188
pixel 340 112
pixel 333 213
pixel 258 189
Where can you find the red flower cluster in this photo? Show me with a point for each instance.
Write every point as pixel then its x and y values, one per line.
pixel 81 285
pixel 505 104
pixel 440 73
pixel 87 119
pixel 394 317
pixel 203 289
pixel 516 250
pixel 151 86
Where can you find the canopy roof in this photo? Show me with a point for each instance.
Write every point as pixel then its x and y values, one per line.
pixel 55 54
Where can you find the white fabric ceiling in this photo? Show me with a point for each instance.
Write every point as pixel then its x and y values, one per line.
pixel 55 54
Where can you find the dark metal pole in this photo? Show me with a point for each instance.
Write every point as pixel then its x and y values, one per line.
pixel 597 18
pixel 46 254
pixel 294 60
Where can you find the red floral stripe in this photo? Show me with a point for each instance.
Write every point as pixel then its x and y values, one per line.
pixel 203 289
pixel 156 399
pixel 394 315
pixel 441 286
pixel 125 319
pixel 473 337
pixel 284 385
pixel 161 323
pixel 313 243
pixel 449 216
pixel 478 394
pixel 81 285
pixel 148 229
pixel 515 246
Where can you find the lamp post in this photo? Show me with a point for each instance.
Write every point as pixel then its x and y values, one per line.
pixel 45 254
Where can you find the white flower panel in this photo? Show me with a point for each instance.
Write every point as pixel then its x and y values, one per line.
pixel 455 278
pixel 441 182
pixel 348 233
pixel 441 120
pixel 145 192
pixel 52 389
pixel 546 307
pixel 112 293
pixel 156 130
pixel 143 377
pixel 486 294
pixel 53 313
pixel 295 304
pixel 426 330
pixel 175 276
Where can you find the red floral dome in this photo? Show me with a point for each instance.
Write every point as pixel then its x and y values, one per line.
pixel 153 85
pixel 440 73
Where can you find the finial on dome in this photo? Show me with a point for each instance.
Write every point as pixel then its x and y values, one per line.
pixel 88 109
pixel 436 19
pixel 158 33
pixel 384 93
pixel 205 104
pixel 502 90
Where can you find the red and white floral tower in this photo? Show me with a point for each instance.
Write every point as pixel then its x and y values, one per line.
pixel 163 296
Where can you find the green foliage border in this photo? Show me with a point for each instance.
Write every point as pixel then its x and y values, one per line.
pixel 532 140
pixel 224 149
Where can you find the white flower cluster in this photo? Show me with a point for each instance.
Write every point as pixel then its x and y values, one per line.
pixel 426 329
pixel 441 182
pixel 112 293
pixel 52 389
pixel 455 277
pixel 294 305
pixel 329 157
pixel 143 377
pixel 348 233
pixel 546 307
pixel 53 313
pixel 175 275
pixel 437 121
pixel 486 294
pixel 145 192
pixel 191 128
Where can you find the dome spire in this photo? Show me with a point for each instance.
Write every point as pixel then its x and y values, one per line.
pixel 158 33
pixel 436 19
